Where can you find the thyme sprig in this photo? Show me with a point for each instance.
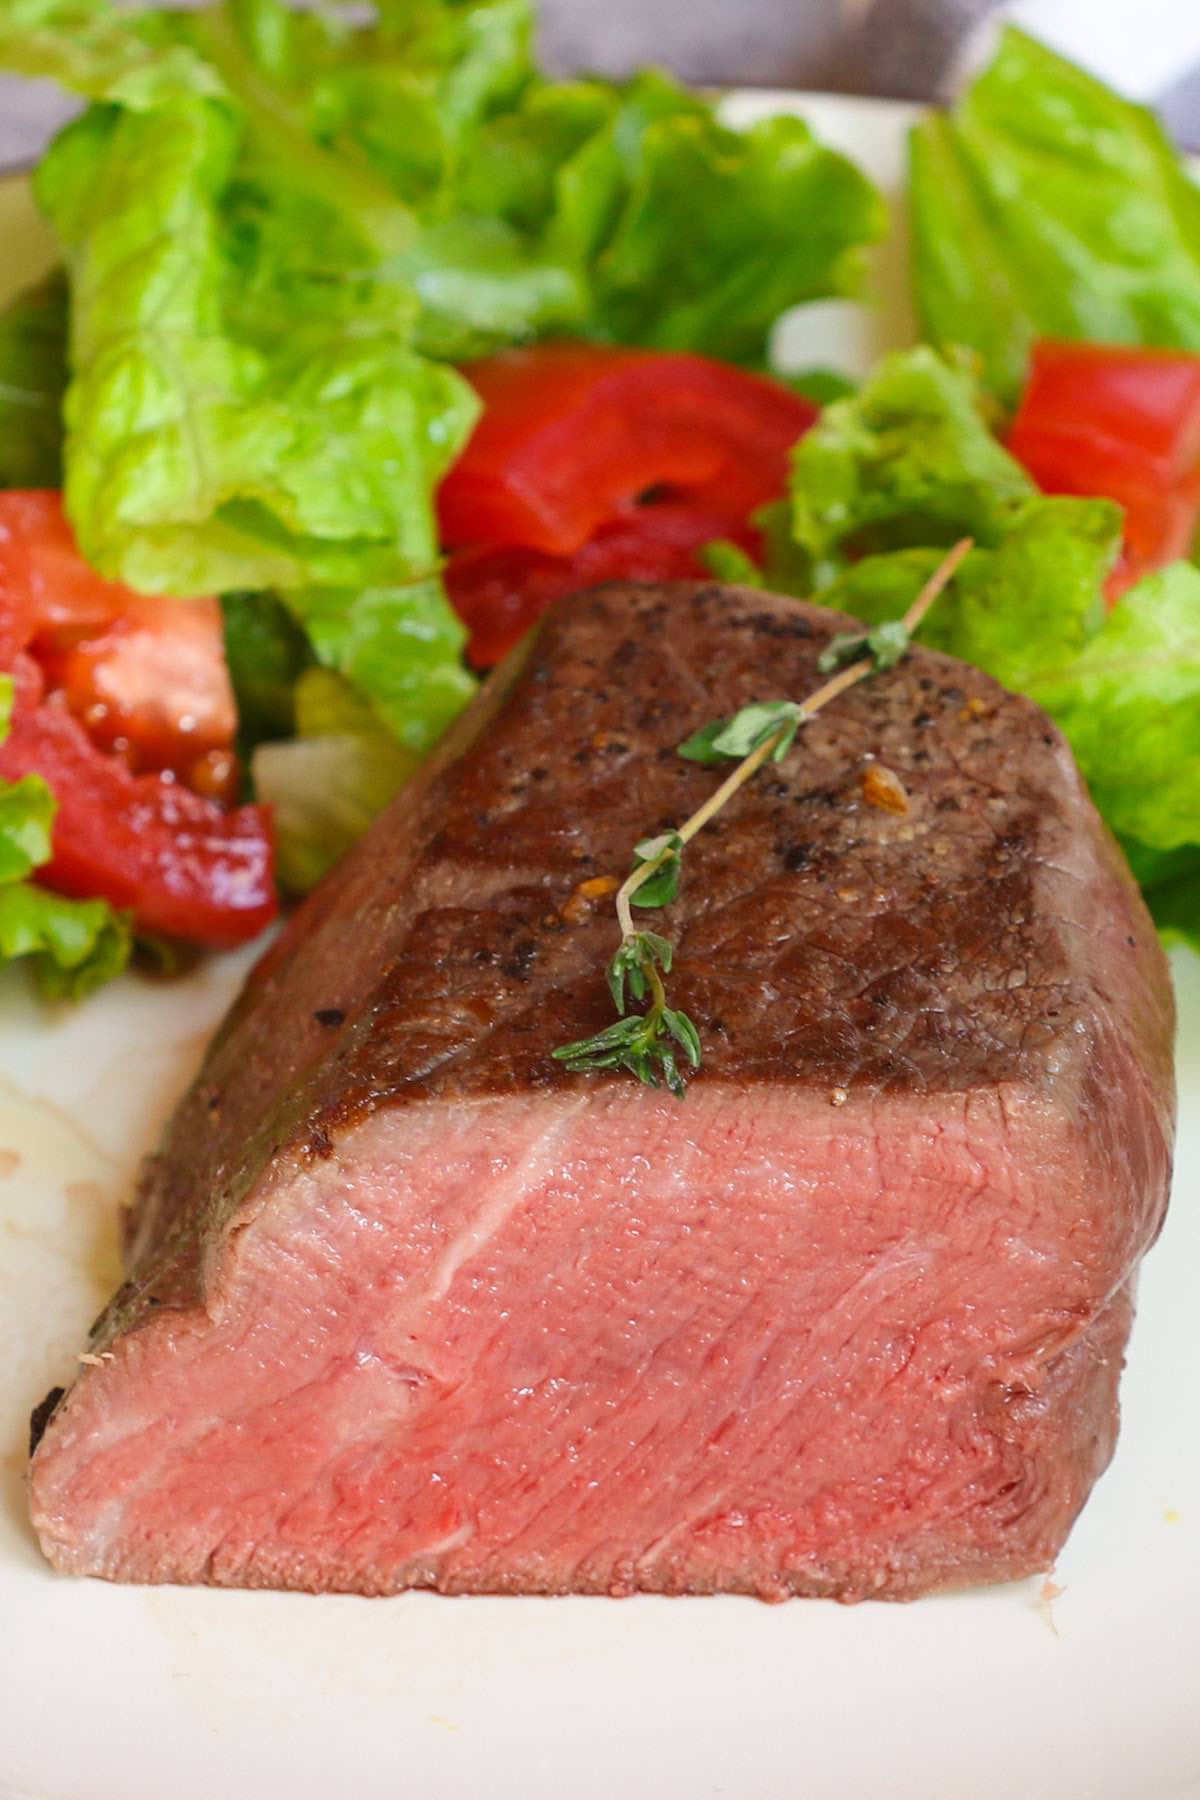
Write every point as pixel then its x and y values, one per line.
pixel 647 1043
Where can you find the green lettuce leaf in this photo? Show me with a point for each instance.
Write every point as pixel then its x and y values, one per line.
pixel 1033 600
pixel 75 945
pixel 271 219
pixel 278 226
pixel 392 681
pixel 400 647
pixel 33 379
pixel 208 450
pixel 1130 704
pixel 266 652
pixel 102 51
pixel 722 231
pixel 907 460
pixel 26 815
pixel 906 467
pixel 1047 205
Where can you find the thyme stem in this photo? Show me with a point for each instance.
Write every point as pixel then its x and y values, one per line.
pixel 749 767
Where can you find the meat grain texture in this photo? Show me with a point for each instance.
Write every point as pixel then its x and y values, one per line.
pixel 408 1305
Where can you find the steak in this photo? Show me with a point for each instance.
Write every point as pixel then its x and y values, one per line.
pixel 411 1305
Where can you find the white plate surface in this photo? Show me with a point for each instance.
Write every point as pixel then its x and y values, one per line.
pixel 113 1693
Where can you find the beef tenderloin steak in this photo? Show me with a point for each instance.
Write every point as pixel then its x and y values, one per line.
pixel 409 1305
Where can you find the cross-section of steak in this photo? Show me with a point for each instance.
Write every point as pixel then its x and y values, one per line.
pixel 409 1305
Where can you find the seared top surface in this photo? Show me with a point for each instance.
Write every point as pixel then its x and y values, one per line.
pixel 820 940
pixel 819 937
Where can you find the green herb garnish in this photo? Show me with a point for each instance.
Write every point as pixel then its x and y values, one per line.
pixel 646 1043
pixel 884 647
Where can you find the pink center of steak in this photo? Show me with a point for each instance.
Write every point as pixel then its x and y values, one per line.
pixel 600 1340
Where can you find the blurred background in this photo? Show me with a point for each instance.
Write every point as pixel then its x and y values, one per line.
pixel 908 49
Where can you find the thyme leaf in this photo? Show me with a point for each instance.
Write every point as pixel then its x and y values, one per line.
pixel 884 646
pixel 639 1042
pixel 662 855
pixel 634 957
pixel 745 732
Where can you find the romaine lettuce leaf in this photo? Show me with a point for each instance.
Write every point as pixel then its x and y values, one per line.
pixel 1032 601
pixel 75 945
pixel 26 815
pixel 400 647
pixel 266 652
pixel 392 682
pixel 1047 205
pixel 722 231
pixel 102 51
pixel 907 466
pixel 1130 704
pixel 273 218
pixel 201 454
pixel 638 217
pixel 33 379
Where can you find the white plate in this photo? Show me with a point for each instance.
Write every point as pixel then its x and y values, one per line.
pixel 130 1694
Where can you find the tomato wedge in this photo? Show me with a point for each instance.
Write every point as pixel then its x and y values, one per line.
pixel 571 433
pixel 1138 409
pixel 183 865
pixel 115 696
pixel 1124 423
pixel 44 582
pixel 152 684
pixel 500 590
pixel 145 676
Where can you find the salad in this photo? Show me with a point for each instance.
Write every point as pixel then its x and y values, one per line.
pixel 369 342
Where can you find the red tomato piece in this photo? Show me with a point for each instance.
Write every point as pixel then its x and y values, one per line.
pixel 145 676
pixel 151 683
pixel 44 582
pixel 1140 409
pixel 571 433
pixel 501 590
pixel 183 865
pixel 1122 423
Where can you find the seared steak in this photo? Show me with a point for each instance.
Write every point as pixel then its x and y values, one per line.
pixel 411 1306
